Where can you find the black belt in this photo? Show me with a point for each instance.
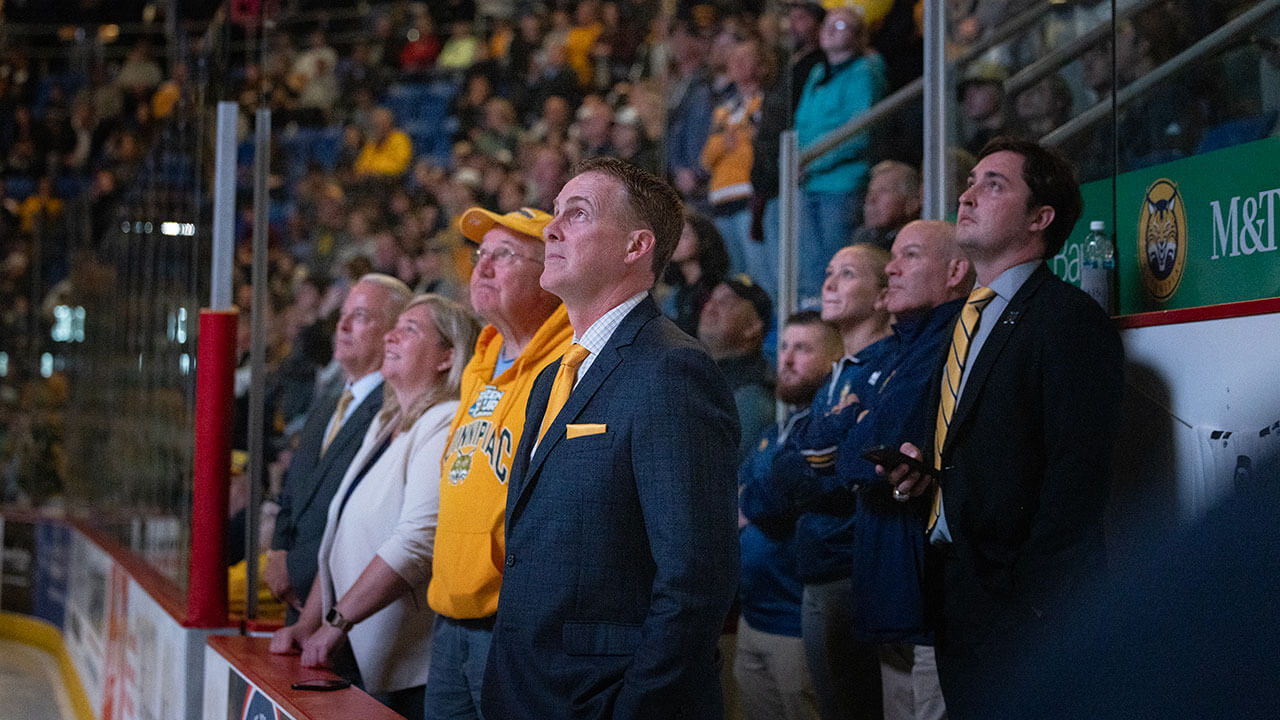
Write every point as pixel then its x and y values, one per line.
pixel 484 623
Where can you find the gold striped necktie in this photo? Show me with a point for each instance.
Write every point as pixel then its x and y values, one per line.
pixel 951 376
pixel 565 377
pixel 336 423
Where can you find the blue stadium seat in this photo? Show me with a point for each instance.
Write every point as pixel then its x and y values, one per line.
pixel 69 186
pixel 326 146
pixel 68 82
pixel 432 139
pixel 425 102
pixel 1237 132
pixel 1157 157
pixel 19 187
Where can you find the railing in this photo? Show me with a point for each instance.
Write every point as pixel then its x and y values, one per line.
pixel 936 87
pixel 933 86
pixel 1207 45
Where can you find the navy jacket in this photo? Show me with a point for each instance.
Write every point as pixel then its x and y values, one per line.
pixel 622 538
pixel 824 529
pixel 769 591
pixel 889 541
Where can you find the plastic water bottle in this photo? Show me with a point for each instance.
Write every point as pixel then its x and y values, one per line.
pixel 1098 267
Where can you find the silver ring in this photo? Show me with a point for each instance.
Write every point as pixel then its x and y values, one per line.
pixel 899 495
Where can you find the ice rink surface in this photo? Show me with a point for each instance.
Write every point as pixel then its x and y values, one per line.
pixel 30 685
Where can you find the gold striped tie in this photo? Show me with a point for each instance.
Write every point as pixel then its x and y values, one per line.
pixel 565 378
pixel 951 376
pixel 336 423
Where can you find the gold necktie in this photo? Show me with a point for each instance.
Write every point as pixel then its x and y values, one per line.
pixel 336 423
pixel 951 376
pixel 565 378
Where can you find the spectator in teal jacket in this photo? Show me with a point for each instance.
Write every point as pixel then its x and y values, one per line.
pixel 851 80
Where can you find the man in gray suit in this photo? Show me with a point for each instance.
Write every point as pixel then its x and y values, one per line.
pixel 622 534
pixel 331 436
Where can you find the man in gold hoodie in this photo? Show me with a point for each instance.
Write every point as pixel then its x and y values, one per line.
pixel 527 329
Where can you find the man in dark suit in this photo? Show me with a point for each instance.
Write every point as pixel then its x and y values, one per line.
pixel 1022 447
pixel 330 438
pixel 621 527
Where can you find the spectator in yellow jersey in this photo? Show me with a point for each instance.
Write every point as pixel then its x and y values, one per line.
pixel 388 150
pixel 527 329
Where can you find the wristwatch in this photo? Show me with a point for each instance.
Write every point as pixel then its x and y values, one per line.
pixel 335 619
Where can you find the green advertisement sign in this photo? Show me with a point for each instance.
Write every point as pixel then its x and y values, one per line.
pixel 1189 233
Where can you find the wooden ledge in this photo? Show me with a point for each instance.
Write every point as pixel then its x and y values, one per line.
pixel 275 675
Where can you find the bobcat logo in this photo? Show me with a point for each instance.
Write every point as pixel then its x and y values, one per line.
pixel 1162 235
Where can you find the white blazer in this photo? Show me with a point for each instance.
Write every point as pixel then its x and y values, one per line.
pixel 391 513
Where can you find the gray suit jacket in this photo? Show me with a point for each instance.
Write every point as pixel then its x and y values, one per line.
pixel 310 482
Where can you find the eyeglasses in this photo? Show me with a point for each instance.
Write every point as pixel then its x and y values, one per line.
pixel 500 256
pixel 839 25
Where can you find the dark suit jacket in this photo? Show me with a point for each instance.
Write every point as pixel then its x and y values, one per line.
pixel 622 546
pixel 311 481
pixel 1026 465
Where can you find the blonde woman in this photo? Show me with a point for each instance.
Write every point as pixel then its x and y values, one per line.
pixel 366 615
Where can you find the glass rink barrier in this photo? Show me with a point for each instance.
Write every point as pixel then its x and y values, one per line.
pixel 88 630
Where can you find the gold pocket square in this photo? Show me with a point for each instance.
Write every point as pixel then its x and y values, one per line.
pixel 573 431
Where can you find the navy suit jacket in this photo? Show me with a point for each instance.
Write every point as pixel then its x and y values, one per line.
pixel 622 545
pixel 1027 464
pixel 311 481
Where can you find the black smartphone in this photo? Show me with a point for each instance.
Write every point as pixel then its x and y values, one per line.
pixel 890 458
pixel 322 684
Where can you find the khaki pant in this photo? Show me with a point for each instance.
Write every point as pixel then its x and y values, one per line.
pixel 909 675
pixel 773 678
